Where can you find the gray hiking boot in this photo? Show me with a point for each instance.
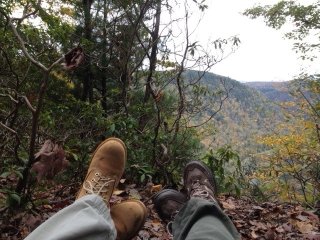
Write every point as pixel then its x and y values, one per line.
pixel 199 181
pixel 168 202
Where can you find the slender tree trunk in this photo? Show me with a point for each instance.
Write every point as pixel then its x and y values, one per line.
pixel 87 79
pixel 154 50
pixel 22 183
pixel 153 61
pixel 104 60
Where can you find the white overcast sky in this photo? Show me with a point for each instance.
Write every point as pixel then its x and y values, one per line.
pixel 264 54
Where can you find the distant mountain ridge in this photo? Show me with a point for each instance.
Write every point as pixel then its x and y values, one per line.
pixel 246 114
pixel 274 91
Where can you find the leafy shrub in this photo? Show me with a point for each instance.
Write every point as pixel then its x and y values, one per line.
pixel 226 167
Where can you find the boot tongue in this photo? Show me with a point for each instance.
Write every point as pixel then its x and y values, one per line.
pixel 201 190
pixel 97 183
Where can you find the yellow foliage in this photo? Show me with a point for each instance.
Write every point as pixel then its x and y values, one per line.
pixel 67 11
pixel 286 170
pixel 60 76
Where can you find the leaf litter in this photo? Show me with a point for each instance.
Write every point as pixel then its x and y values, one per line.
pixel 266 221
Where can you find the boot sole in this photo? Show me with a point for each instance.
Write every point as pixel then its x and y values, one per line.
pixel 164 195
pixel 166 192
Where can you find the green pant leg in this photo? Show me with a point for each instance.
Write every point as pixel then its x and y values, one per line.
pixel 200 219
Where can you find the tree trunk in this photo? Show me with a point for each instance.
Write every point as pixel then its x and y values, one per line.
pixel 153 61
pixel 87 79
pixel 154 50
pixel 22 183
pixel 104 60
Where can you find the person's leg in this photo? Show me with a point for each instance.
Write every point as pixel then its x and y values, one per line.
pixel 201 216
pixel 203 220
pixel 87 218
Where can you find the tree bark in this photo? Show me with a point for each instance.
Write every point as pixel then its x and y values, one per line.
pixel 104 60
pixel 153 61
pixel 154 51
pixel 87 92
pixel 22 183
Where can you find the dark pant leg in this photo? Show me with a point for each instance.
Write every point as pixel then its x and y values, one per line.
pixel 200 219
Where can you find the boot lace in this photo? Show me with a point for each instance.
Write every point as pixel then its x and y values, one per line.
pixel 174 214
pixel 99 185
pixel 200 190
pixel 169 225
pixel 169 228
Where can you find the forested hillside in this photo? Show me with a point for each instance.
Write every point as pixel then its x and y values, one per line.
pixel 245 115
pixel 73 73
pixel 275 91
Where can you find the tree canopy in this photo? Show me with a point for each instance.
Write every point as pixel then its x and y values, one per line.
pixel 76 72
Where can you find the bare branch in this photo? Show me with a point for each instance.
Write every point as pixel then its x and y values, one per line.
pixel 179 80
pixel 55 63
pixel 24 49
pixel 9 63
pixel 29 14
pixel 8 128
pixel 22 44
pixel 153 56
pixel 309 103
pixel 11 98
pixel 32 109
pixel 222 100
pixel 212 115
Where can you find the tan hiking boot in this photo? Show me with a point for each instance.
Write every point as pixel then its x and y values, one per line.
pixel 128 217
pixel 105 170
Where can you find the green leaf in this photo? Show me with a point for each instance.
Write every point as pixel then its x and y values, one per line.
pixel 142 177
pixel 15 197
pixel 19 174
pixel 238 191
pixel 112 127
pixel 75 156
pixel 227 185
pixel 5 174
